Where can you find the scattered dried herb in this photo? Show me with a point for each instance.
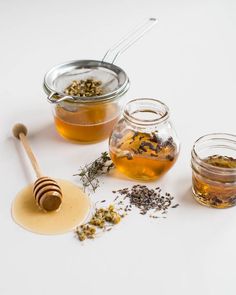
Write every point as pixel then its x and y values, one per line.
pixel 85 231
pixel 102 220
pixel 90 173
pixel 175 206
pixel 145 199
pixel 85 88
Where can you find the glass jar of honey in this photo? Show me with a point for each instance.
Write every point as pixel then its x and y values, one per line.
pixel 144 144
pixel 87 97
pixel 214 170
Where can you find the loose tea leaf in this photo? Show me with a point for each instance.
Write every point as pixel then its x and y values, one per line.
pixel 89 173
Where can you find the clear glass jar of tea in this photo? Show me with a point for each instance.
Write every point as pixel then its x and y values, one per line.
pixel 87 98
pixel 214 170
pixel 144 144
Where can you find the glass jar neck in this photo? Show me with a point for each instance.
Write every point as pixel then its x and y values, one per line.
pixel 146 112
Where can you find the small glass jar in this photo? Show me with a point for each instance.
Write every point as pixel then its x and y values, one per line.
pixel 89 118
pixel 213 161
pixel 144 144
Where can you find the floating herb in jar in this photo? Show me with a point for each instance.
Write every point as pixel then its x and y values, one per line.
pixel 141 155
pixel 221 161
pixel 215 190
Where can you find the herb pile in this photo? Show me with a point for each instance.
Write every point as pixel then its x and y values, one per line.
pixel 102 220
pixel 89 174
pixel 147 200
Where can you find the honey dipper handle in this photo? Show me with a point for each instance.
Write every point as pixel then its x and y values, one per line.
pixel 31 155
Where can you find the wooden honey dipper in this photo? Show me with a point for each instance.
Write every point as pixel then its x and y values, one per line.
pixel 47 192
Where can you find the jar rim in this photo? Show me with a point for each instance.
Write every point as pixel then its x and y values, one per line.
pixel 211 137
pixel 162 116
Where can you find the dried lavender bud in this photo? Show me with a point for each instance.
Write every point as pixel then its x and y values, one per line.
pixel 145 199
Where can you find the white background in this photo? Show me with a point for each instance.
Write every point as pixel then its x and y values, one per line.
pixel 188 61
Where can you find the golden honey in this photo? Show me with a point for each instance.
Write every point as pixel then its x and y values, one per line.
pixel 86 123
pixel 74 210
pixel 143 156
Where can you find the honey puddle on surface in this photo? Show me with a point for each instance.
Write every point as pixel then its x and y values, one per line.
pixel 74 210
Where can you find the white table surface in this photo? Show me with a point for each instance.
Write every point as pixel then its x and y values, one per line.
pixel 188 61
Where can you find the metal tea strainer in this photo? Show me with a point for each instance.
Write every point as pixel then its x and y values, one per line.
pixel 114 80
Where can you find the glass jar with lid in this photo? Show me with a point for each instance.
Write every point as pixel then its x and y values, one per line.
pixel 144 144
pixel 213 161
pixel 85 118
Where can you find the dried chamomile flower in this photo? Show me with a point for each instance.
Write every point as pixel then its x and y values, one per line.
pixel 85 88
pixel 103 219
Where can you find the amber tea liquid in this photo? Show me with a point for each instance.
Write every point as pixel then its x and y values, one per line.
pixel 142 156
pixel 87 124
pixel 220 192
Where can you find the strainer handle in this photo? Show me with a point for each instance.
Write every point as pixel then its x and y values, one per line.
pixel 128 40
pixel 51 97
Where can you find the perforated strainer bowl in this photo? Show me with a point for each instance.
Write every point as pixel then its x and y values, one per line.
pixel 114 80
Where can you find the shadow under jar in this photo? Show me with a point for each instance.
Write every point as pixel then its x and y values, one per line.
pixel 214 170
pixel 85 117
pixel 143 144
